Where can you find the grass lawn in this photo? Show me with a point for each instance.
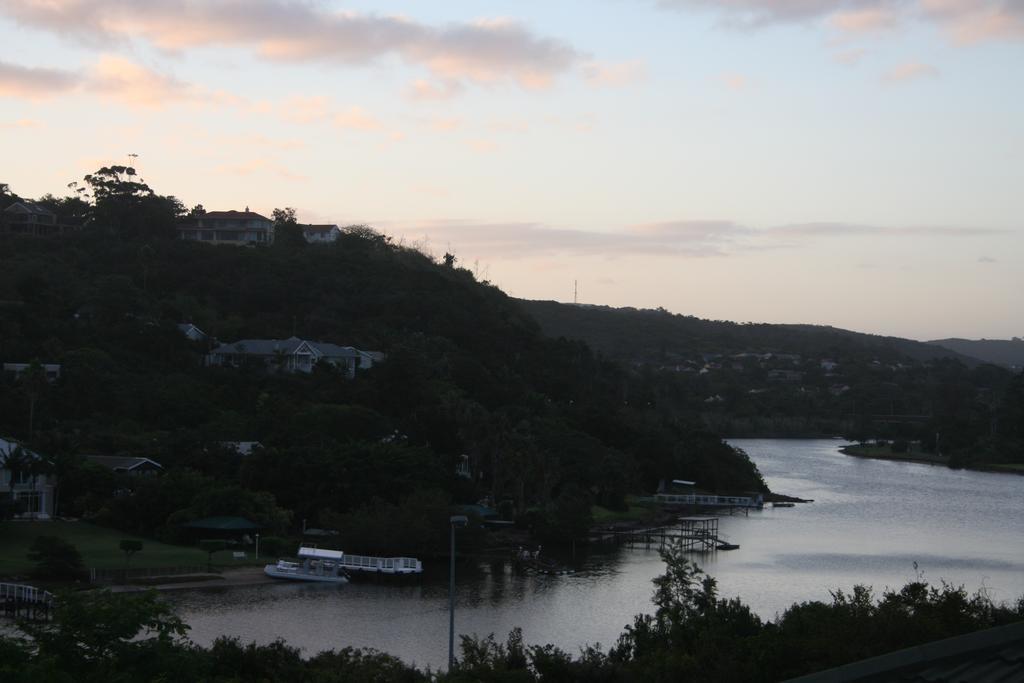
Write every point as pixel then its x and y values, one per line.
pixel 99 548
pixel 634 513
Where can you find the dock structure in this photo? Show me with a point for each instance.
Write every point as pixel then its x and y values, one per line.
pixel 695 534
pixel 699 534
pixel 25 602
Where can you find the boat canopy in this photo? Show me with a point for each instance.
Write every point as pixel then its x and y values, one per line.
pixel 320 553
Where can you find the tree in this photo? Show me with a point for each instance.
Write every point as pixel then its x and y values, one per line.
pixel 287 233
pixel 128 207
pixel 104 636
pixel 34 382
pixel 17 461
pixel 211 546
pixel 55 558
pixel 129 547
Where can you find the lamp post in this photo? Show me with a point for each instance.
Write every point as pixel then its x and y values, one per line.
pixel 454 521
pixel 257 546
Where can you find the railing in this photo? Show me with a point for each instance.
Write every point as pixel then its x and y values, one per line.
pixel 387 565
pixel 20 593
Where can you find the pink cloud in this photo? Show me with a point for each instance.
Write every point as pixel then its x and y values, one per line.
pixel 483 51
pixel 119 79
pixel 910 71
pixel 735 81
pixel 681 238
pixel 422 89
pixel 975 21
pixel 614 75
pixel 358 118
pixel 261 166
pixel 965 21
pixel 21 123
pixel 865 20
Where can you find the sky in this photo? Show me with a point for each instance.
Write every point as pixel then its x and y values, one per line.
pixel 857 163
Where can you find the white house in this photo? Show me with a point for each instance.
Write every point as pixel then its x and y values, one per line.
pixel 22 482
pixel 320 234
pixel 15 370
pixel 292 355
pixel 227 227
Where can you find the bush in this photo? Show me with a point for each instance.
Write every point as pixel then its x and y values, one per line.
pixel 55 558
pixel 275 546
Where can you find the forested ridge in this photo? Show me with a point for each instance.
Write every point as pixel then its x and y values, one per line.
pixel 807 380
pixel 549 427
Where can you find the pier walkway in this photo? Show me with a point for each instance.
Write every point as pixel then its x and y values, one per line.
pixel 19 600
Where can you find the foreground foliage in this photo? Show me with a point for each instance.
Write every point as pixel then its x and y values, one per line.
pixel 694 635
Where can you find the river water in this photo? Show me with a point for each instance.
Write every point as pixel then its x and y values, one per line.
pixel 870 523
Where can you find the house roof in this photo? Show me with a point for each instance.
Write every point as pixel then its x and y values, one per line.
pixel 319 228
pixel 26 206
pixel 8 445
pixel 335 351
pixel 269 347
pixel 122 463
pixel 222 524
pixel 261 347
pixel 989 656
pixel 235 215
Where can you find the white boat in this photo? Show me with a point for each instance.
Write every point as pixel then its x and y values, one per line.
pixel 315 564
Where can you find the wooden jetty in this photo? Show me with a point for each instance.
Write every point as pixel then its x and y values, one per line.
pixel 695 534
pixel 25 602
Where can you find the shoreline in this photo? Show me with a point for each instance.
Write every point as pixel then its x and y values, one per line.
pixel 230 578
pixel 935 460
pixel 896 457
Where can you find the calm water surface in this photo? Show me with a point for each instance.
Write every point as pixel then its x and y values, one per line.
pixel 870 522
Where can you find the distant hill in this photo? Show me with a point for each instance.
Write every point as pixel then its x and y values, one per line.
pixel 1008 352
pixel 645 335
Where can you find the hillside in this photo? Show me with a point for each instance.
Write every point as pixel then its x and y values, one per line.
pixel 1006 352
pixel 646 335
pixel 792 380
pixel 467 372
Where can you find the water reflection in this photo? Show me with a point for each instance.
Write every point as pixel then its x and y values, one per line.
pixel 872 520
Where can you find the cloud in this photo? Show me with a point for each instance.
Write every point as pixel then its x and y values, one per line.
pixel 422 89
pixel 850 57
pixel 974 21
pixel 519 240
pixel 357 118
pixel 110 77
pixel 910 71
pixel 21 123
pixel 854 229
pixel 682 238
pixel 987 259
pixel 25 82
pixel 119 79
pixel 735 81
pixel 482 51
pixel 614 75
pixel 964 21
pixel 261 166
pixel 300 109
pixel 864 20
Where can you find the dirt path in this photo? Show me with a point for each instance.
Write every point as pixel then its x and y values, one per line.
pixel 246 576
